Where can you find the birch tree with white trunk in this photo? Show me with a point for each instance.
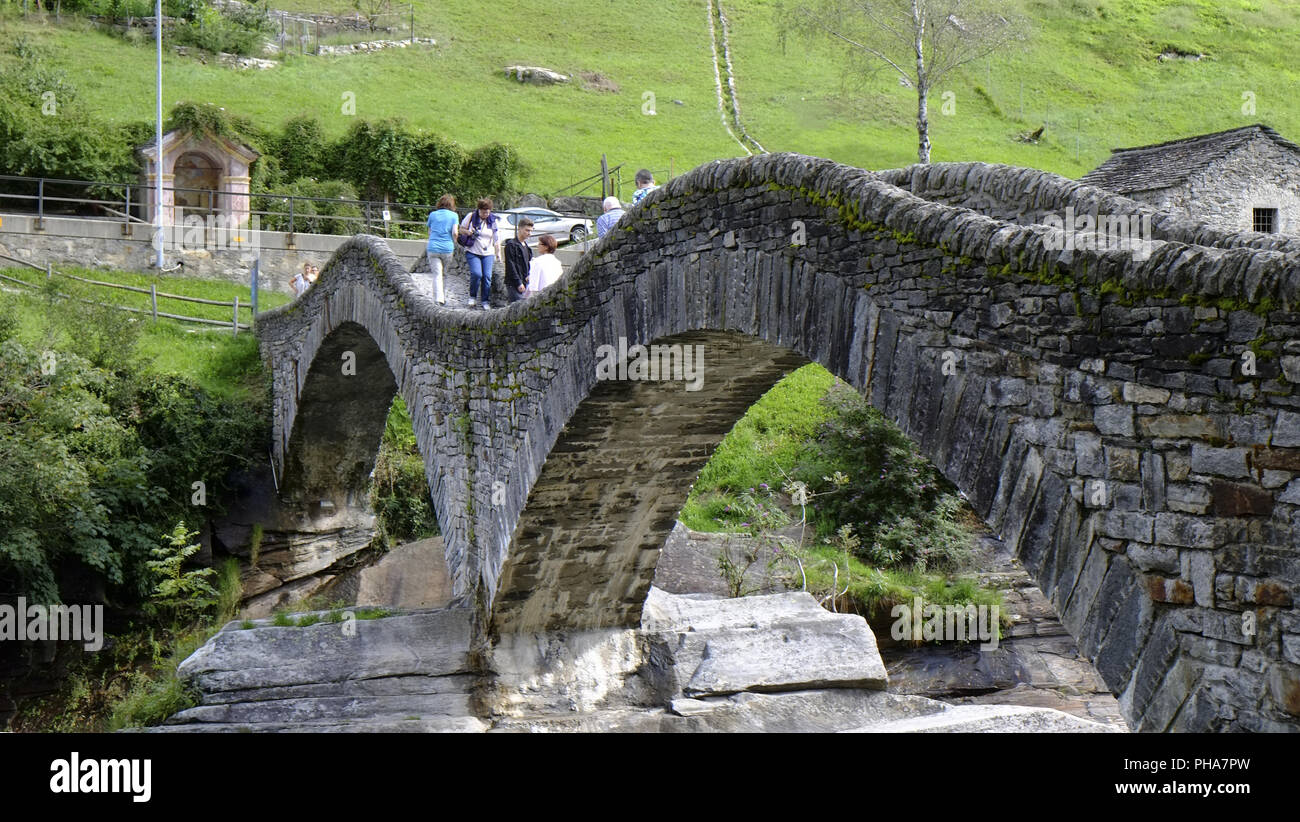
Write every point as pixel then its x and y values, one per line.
pixel 922 41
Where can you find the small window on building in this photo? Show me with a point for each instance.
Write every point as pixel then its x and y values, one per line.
pixel 1264 220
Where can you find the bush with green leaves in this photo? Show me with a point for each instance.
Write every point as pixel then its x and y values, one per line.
pixel 902 510
pixel 493 170
pixel 399 492
pixel 233 30
pixel 318 208
pixel 99 460
pixel 302 149
pixel 46 131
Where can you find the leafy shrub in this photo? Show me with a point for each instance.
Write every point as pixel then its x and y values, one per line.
pixel 897 503
pixel 301 149
pixel 937 539
pixel 236 30
pixel 492 170
pixel 399 491
pixel 439 163
pixel 103 335
pixel 74 477
pixel 71 145
pixel 758 512
pixel 99 462
pixel 312 216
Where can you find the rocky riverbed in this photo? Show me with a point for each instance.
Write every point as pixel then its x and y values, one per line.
pixel 1037 663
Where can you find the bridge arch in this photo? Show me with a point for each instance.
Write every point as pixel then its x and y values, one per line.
pixel 351 358
pixel 1074 370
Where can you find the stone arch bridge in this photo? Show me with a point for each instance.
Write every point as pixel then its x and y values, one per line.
pixel 1129 423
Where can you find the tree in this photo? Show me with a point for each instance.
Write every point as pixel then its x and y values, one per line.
pixel 372 10
pixel 920 40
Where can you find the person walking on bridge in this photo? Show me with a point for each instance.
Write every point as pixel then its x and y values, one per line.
pixel 613 212
pixel 299 282
pixel 546 269
pixel 478 233
pixel 442 242
pixel 518 256
pixel 645 183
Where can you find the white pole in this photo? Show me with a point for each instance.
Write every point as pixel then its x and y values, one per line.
pixel 158 167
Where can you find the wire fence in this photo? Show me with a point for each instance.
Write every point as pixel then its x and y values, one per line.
pixel 154 296
pixel 1041 112
pixel 315 33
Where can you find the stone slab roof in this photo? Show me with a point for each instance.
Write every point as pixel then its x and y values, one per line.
pixel 1166 165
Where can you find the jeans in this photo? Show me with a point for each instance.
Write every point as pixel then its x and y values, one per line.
pixel 438 265
pixel 480 273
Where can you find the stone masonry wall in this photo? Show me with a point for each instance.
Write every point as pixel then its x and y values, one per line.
pixel 1026 195
pixel 1259 174
pixel 1130 426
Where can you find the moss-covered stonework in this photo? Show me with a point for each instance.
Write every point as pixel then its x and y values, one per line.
pixel 1097 409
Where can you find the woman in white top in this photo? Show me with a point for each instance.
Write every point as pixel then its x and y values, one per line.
pixel 545 269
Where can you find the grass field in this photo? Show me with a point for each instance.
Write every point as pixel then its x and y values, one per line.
pixel 1089 70
pixel 219 361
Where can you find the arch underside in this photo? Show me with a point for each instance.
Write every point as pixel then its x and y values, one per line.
pixel 340 421
pixel 585 548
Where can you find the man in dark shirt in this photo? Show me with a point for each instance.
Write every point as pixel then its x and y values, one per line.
pixel 518 256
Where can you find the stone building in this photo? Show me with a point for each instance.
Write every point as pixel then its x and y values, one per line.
pixel 202 174
pixel 1243 179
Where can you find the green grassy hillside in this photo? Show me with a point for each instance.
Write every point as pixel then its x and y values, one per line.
pixel 1090 70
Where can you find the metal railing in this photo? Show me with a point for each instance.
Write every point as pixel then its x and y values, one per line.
pixel 125 203
pixel 615 181
pixel 154 294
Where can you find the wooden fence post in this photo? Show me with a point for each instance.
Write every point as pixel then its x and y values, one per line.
pixel 235 324
pixel 153 301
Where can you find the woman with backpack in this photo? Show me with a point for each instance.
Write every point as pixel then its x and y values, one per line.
pixel 478 234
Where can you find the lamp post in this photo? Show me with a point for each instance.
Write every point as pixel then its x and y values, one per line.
pixel 158 169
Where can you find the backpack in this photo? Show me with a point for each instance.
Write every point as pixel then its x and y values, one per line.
pixel 467 240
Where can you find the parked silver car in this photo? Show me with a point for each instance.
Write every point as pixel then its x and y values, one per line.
pixel 545 221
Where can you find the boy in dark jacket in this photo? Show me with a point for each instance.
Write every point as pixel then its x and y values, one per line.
pixel 518 256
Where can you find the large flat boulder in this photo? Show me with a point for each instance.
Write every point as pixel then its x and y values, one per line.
pixel 778 642
pixel 265 656
pixel 836 651
pixel 413 575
